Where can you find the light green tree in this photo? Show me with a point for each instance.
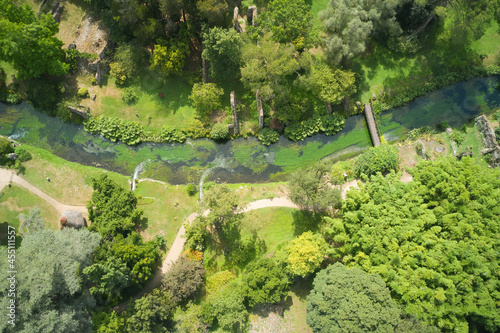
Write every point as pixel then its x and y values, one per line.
pixel 29 43
pixel 31 222
pixel 206 97
pixel 305 253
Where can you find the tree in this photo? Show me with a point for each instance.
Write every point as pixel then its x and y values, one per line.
pixel 139 256
pixel 266 67
pixel 178 8
pixel 206 98
pixel 214 11
pixel 329 85
pixel 223 49
pixel 432 241
pixel 310 188
pixel 32 222
pixel 304 254
pixel 265 282
pixel 109 278
pixel 151 313
pixel 183 279
pixel 170 57
pixel 349 25
pixel 349 300
pixel 377 159
pixel 112 209
pixel 128 61
pixel 29 43
pixel 50 291
pixel 289 21
pixel 228 308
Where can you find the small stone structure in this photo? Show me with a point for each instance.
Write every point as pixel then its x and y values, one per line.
pixel 82 111
pixel 260 110
pixel 454 146
pixel 234 112
pixel 56 11
pixel 251 15
pixel 12 156
pixel 328 107
pixel 489 140
pixel 204 69
pixel 72 219
pixel 236 23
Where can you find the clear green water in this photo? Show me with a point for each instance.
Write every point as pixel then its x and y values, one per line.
pixel 244 160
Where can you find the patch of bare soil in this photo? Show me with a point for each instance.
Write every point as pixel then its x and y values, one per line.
pixel 408 154
pixel 91 36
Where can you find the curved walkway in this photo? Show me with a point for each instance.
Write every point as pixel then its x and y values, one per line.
pixel 7 177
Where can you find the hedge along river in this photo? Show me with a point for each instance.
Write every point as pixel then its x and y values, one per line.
pixel 244 160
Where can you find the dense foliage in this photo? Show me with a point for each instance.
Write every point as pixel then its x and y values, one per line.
pixel 51 292
pixel 222 48
pixel 267 136
pixel 377 159
pixel 433 241
pixel 304 254
pixel 183 279
pixel 116 129
pixel 265 282
pixel 206 98
pixel 219 132
pixel 350 300
pixel 29 43
pixel 310 188
pixel 328 124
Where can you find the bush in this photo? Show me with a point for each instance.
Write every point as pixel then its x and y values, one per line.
pixel 24 155
pixel 219 132
pixel 328 124
pixel 268 136
pixel 442 126
pixel 206 98
pixel 497 116
pixel 458 137
pixel 190 189
pixel 129 95
pixel 497 134
pixel 377 159
pixel 115 129
pixel 217 281
pixel 13 98
pixel 83 92
pixel 170 134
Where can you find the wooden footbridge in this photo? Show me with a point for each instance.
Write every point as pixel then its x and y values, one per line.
pixel 372 125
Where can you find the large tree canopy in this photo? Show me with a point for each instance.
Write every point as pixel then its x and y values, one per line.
pixel 29 43
pixel 349 300
pixel 349 24
pixel 434 241
pixel 51 294
pixel 223 48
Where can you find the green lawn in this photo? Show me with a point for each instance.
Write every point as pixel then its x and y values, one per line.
pixel 16 200
pixel 316 7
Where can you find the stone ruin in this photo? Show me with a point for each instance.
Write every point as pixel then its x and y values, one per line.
pixel 236 23
pixel 234 112
pixel 489 140
pixel 260 110
pixel 56 11
pixel 251 15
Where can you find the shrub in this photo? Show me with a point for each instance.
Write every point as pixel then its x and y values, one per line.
pixel 497 116
pixel 83 92
pixel 458 137
pixel 131 133
pixel 328 124
pixel 170 134
pixel 497 134
pixel 442 126
pixel 129 95
pixel 219 132
pixel 13 98
pixel 217 281
pixel 206 98
pixel 24 155
pixel 419 146
pixel 190 189
pixel 377 159
pixel 268 136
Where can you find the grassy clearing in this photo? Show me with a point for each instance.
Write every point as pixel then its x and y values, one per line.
pixel 273 225
pixel 316 7
pixel 16 200
pixel 251 192
pixel 171 207
pixel 70 183
pixel 488 45
pixel 10 72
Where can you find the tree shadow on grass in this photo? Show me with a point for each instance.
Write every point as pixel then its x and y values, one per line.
pixel 304 220
pixel 143 224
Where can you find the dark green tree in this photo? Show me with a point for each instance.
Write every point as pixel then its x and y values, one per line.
pixel 29 43
pixel 349 300
pixel 109 278
pixel 223 49
pixel 151 313
pixel 310 188
pixel 215 12
pixel 265 282
pixel 112 209
pixel 128 61
pixel 228 308
pixel 183 279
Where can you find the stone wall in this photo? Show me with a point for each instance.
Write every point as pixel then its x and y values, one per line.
pixel 489 139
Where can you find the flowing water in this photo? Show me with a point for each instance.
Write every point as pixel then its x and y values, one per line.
pixel 243 160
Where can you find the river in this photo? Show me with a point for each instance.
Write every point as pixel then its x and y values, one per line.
pixel 244 160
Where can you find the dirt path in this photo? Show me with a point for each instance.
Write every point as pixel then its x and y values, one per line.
pixel 7 176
